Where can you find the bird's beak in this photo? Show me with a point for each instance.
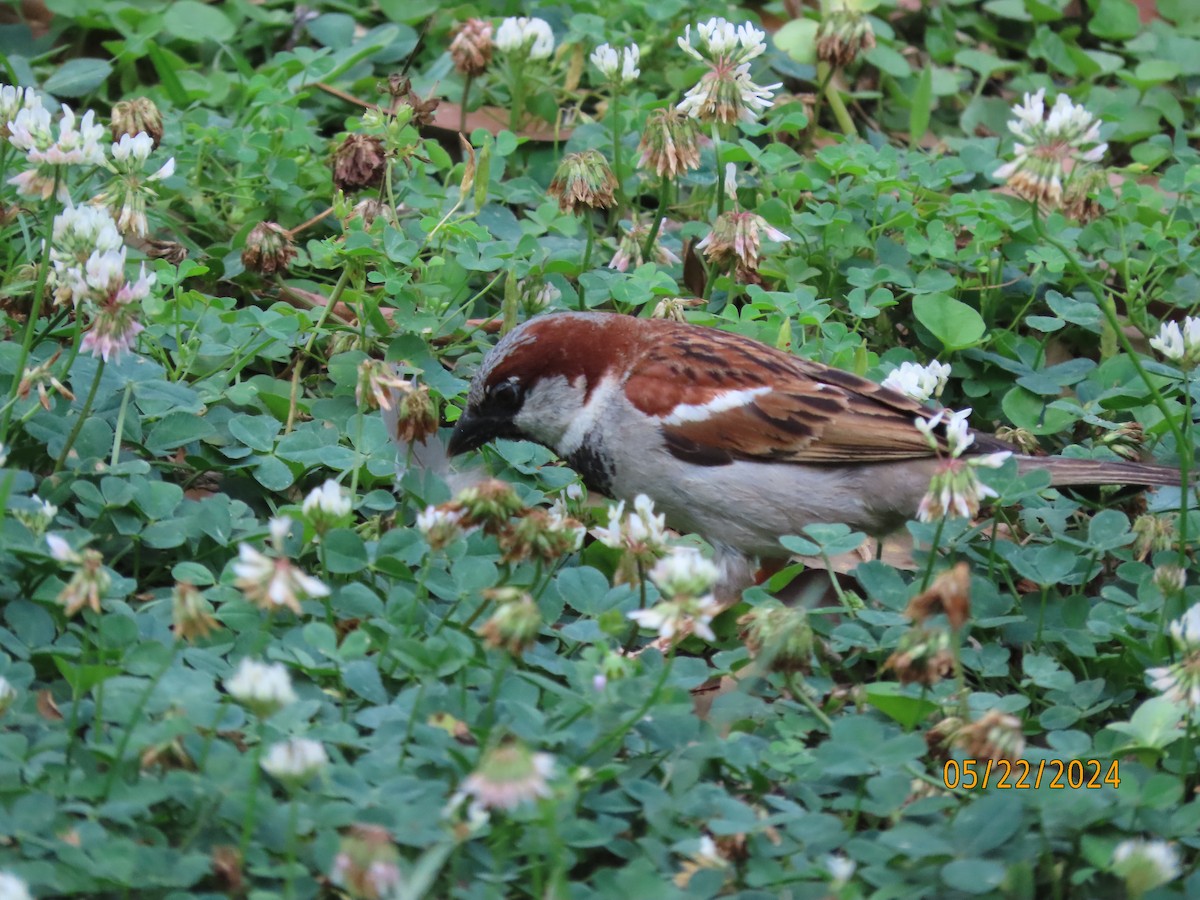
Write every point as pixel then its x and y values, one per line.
pixel 472 431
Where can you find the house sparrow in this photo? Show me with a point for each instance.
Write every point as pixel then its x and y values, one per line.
pixel 734 440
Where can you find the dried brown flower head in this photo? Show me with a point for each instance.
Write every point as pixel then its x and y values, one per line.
pixel 359 162
pixel 472 47
pixel 670 143
pixel 584 181
pixel 138 115
pixel 950 593
pixel 268 249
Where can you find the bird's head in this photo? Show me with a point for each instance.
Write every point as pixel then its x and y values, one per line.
pixel 535 383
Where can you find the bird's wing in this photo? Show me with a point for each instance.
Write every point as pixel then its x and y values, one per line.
pixel 720 397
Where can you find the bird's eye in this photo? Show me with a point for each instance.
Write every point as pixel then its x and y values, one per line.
pixel 505 396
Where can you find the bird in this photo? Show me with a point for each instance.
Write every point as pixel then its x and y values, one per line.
pixel 736 441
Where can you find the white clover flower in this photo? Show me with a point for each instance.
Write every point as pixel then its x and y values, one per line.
pixel 840 868
pixel 13 888
pixel 12 101
pixel 60 550
pixel 438 526
pixel 273 583
pixel 507 777
pixel 32 131
pixel 525 33
pixel 330 501
pixel 1179 344
pixel 1178 682
pixel 1145 865
pixel 127 193
pixel 1186 630
pixel 618 66
pixel 684 573
pixel 263 687
pixel 295 761
pixel 133 148
pixel 537 296
pixel 917 381
pixel 679 617
pixel 720 38
pixel 87 254
pixel 955 487
pixel 8 695
pixel 1045 144
pixel 39 518
pixel 726 93
pixel 114 324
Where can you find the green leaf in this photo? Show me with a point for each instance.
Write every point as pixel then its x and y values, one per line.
pixel 362 677
pixel 256 432
pixel 798 39
pixel 177 429
pixel 973 876
pixel 1027 410
pixel 1114 20
pixel 190 20
pixel 345 552
pixel 193 573
pixel 893 700
pixel 78 76
pixel 273 474
pixel 1154 724
pixel 922 106
pixel 951 321
pixel 85 677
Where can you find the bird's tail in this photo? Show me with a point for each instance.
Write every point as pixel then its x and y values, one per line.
pixel 1065 472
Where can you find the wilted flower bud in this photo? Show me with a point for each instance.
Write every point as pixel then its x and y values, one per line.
pixel 1126 440
pixel 89 581
pixel 191 613
pixel 1080 200
pixel 421 111
pixel 673 308
pixel 540 533
pixel 138 115
pixel 842 35
pixel 734 241
pixel 1025 441
pixel 378 384
pixel 780 635
pixel 471 48
pixel 670 143
pixel 489 504
pixel 1170 579
pixel 172 252
pixel 950 593
pixel 416 415
pixel 583 181
pixel 368 209
pixel 440 527
pixel 995 735
pixel 359 162
pixel 924 656
pixel 268 249
pixel 367 865
pixel 514 625
pixel 1153 533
